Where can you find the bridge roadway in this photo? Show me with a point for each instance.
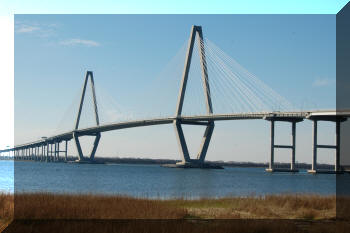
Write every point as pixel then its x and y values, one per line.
pixel 199 119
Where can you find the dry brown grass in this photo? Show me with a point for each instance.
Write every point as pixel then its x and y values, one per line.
pixel 85 206
pixel 44 212
pixel 286 206
pixel 6 210
pixel 6 206
pixel 343 207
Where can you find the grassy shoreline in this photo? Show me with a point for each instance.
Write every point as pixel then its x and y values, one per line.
pixel 90 206
pixel 44 212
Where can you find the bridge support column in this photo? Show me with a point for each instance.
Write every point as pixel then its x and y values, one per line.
pixel 96 142
pixel 47 152
pixel 77 144
pixel 51 153
pixel 273 146
pixel 42 153
pixel 292 165
pixel 58 151
pixel 55 152
pixel 205 141
pixel 316 146
pixel 186 160
pixel 272 150
pixel 66 150
pixel 97 135
pixel 181 142
pixel 94 148
pixel 337 149
pixel 204 144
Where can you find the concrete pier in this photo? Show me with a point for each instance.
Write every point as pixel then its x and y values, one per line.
pixel 315 146
pixel 194 163
pixel 66 150
pixel 199 162
pixel 89 75
pixel 273 146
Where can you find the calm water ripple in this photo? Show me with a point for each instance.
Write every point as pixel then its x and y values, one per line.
pixel 154 181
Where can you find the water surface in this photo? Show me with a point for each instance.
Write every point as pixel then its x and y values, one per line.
pixel 154 181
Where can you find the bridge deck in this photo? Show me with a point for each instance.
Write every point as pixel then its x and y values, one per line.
pixel 168 120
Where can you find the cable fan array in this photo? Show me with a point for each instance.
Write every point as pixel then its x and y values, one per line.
pixel 233 89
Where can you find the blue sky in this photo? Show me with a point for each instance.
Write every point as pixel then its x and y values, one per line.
pixel 293 54
pixel 173 6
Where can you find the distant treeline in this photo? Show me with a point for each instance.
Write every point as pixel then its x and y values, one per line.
pixel 220 163
pixel 172 161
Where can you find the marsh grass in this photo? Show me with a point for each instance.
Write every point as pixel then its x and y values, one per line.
pixel 89 206
pixel 284 206
pixel 47 212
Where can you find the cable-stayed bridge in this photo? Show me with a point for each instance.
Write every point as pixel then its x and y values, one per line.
pixel 248 97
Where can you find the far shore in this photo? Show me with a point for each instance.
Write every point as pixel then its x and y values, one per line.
pixel 149 161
